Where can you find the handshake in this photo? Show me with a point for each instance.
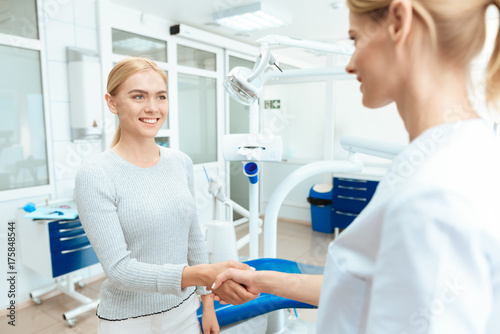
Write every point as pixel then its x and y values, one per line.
pixel 236 283
pixel 232 282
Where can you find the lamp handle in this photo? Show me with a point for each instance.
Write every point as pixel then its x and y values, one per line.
pixel 265 57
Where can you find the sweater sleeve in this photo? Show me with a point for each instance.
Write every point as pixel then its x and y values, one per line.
pixel 96 202
pixel 197 252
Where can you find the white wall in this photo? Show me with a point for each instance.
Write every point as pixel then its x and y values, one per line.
pixel 352 118
pixel 300 122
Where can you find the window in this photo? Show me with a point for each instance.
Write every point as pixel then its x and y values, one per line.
pixel 129 44
pixel 18 17
pixel 196 58
pixel 197 108
pixel 23 146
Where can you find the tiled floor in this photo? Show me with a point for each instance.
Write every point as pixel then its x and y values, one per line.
pixel 47 317
pixel 295 242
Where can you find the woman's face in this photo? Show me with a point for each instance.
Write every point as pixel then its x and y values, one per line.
pixel 141 104
pixel 372 59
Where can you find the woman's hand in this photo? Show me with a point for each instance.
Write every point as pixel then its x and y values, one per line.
pixel 235 287
pixel 231 292
pixel 208 318
pixel 217 268
pixel 205 274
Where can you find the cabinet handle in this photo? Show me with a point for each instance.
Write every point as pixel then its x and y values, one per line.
pixel 70 238
pixel 346 214
pixel 353 180
pixel 70 229
pixel 352 188
pixel 61 222
pixel 75 250
pixel 352 198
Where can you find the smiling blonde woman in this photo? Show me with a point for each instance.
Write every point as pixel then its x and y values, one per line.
pixel 136 204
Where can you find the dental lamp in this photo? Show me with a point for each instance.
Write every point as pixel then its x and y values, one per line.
pixel 244 84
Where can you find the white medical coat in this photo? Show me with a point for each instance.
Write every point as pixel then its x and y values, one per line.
pixel 424 255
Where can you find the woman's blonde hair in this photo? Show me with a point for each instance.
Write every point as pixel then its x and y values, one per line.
pixel 123 70
pixel 457 30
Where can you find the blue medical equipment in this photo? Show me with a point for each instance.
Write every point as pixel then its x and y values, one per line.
pixel 265 303
pixel 251 169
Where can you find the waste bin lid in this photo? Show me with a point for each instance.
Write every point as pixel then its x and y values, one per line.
pixel 323 191
pixel 322 188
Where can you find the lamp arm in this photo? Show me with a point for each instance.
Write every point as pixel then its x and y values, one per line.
pixel 307 72
pixel 378 148
pixel 305 44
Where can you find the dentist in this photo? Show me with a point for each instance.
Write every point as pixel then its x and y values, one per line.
pixel 424 255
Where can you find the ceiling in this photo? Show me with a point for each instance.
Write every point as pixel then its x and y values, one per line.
pixel 319 20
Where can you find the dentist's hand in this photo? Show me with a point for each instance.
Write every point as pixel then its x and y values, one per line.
pixel 218 268
pixel 205 274
pixel 301 287
pixel 231 292
pixel 235 287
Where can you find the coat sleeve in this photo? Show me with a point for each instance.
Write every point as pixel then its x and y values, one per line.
pixel 96 202
pixel 431 274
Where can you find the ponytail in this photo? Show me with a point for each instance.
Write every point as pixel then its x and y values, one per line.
pixel 493 70
pixel 118 135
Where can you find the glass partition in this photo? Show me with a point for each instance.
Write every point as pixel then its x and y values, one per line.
pixel 198 117
pixel 23 153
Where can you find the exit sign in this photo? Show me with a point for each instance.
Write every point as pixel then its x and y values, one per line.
pixel 272 104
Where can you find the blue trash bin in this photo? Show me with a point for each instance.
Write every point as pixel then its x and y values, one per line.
pixel 320 198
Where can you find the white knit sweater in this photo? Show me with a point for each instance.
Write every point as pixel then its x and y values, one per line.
pixel 143 226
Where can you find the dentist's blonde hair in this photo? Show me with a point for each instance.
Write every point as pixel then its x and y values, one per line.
pixel 123 70
pixel 457 29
